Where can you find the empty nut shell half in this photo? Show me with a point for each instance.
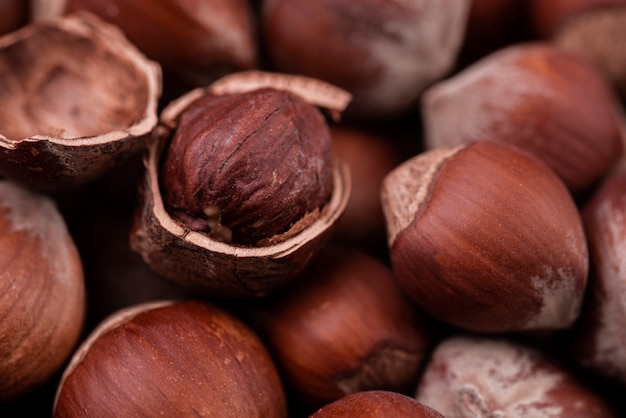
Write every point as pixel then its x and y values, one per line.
pixel 77 99
pixel 223 269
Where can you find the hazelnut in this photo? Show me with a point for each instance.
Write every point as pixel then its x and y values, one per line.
pixel 13 15
pixel 538 97
pixel 185 358
pixel 593 35
pixel 547 17
pixel 599 339
pixel 42 302
pixel 484 236
pixel 271 193
pixel 344 326
pixel 376 404
pixel 194 41
pixel 78 99
pixel 384 53
pixel 473 376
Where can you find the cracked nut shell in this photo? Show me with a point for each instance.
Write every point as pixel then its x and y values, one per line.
pixel 228 269
pixel 77 99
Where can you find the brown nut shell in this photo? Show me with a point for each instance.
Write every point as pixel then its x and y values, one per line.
pixel 175 359
pixel 42 291
pixel 221 269
pixel 484 236
pixel 78 98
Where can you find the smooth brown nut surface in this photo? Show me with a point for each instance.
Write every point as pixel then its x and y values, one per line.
pixel 263 159
pixel 383 53
pixel 175 359
pixel 376 404
pixel 599 337
pixel 547 101
pixel 344 326
pixel 486 237
pixel 42 295
pixel 78 98
pixel 197 41
pixel 489 377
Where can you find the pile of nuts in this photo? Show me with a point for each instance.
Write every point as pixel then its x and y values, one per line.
pixel 295 208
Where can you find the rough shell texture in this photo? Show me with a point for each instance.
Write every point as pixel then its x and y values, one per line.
pixel 264 158
pixel 482 377
pixel 42 293
pixel 221 269
pixel 171 359
pixel 557 106
pixel 384 54
pixel 377 340
pixel 78 99
pixel 376 404
pixel 195 40
pixel 593 35
pixel 486 237
pixel 599 337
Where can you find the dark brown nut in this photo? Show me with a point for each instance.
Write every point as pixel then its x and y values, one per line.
pixel 13 15
pixel 260 160
pixel 599 339
pixel 376 404
pixel 385 54
pixel 175 359
pixel 595 35
pixel 42 295
pixel 78 99
pixel 194 41
pixel 485 237
pixel 547 17
pixel 472 376
pixel 538 97
pixel 211 263
pixel 344 326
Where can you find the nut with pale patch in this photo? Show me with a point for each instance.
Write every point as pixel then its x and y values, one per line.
pixel 486 237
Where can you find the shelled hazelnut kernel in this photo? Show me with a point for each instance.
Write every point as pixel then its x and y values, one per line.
pixel 486 237
pixel 382 53
pixel 478 376
pixel 376 404
pixel 242 187
pixel 171 358
pixel 599 338
pixel 343 327
pixel 538 97
pixel 42 294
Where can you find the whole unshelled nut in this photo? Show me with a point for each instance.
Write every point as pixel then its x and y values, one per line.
pixel 486 237
pixel 263 175
pixel 479 376
pixel 171 358
pixel 42 291
pixel 259 160
pixel 538 97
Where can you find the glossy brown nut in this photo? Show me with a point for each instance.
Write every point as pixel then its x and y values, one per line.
pixel 344 326
pixel 486 237
pixel 42 295
pixel 211 264
pixel 493 377
pixel 382 53
pixel 263 159
pixel 78 99
pixel 599 339
pixel 197 41
pixel 547 101
pixel 13 15
pixel 175 359
pixel 376 404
